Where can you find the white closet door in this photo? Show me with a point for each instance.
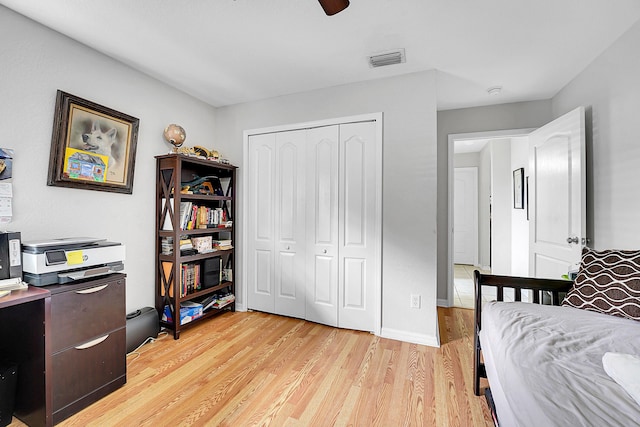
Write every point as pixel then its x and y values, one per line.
pixel 289 218
pixel 357 226
pixel 260 224
pixel 322 225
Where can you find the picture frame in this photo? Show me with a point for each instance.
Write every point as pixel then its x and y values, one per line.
pixel 518 188
pixel 93 147
pixel 526 189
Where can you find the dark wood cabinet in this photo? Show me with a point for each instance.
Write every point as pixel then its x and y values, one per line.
pixel 195 201
pixel 88 342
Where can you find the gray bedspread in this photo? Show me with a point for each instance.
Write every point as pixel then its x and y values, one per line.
pixel 544 365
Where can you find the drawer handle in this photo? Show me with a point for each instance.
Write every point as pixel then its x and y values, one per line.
pixel 92 290
pixel 92 343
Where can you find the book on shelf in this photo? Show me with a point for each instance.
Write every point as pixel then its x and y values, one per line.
pixel 166 246
pixel 194 216
pixel 217 301
pixel 222 245
pixel 190 280
pixel 185 211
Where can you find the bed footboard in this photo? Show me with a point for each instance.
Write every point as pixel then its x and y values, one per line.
pixel 518 284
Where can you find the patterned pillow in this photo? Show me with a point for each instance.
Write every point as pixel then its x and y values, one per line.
pixel 607 282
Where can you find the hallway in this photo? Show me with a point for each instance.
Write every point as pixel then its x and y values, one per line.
pixel 463 292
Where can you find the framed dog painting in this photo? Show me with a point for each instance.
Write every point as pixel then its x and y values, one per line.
pixel 92 146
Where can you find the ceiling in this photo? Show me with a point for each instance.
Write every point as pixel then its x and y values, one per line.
pixel 226 52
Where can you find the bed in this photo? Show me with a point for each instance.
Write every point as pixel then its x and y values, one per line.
pixel 544 362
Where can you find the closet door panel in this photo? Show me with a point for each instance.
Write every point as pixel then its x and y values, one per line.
pixel 357 226
pixel 354 274
pixel 260 225
pixel 290 219
pixel 322 225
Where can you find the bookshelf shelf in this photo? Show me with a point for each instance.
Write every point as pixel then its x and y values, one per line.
pixel 188 270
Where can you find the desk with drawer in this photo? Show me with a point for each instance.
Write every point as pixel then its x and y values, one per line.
pixel 88 342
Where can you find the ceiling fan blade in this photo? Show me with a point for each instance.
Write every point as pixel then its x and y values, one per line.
pixel 331 7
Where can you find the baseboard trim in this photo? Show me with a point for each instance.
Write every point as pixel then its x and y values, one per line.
pixel 443 303
pixel 395 334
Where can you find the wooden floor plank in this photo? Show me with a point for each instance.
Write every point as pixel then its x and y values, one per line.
pixel 245 369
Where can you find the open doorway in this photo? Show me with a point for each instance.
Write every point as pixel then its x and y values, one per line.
pixel 502 230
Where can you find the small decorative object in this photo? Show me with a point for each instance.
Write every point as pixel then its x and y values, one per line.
pixel 518 188
pixel 92 146
pixel 206 153
pixel 175 135
pixel 187 151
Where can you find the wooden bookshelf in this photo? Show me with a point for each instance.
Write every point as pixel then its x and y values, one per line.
pixel 184 275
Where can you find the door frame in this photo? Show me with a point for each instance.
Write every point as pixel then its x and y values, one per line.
pixel 451 138
pixel 371 117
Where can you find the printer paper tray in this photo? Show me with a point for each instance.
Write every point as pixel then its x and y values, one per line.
pixel 71 276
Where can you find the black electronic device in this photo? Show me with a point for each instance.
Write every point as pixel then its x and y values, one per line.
pixel 141 325
pixel 211 268
pixel 10 255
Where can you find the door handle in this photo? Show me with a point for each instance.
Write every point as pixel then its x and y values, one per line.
pixel 92 343
pixel 92 290
pixel 573 240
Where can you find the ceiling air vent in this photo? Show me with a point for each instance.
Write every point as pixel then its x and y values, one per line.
pixel 387 58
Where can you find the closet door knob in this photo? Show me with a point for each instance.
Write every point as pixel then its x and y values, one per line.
pixel 324 251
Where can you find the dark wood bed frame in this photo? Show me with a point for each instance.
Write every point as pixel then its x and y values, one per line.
pixel 551 287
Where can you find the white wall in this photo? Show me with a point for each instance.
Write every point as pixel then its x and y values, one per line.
pixel 409 181
pixel 34 63
pixel 519 222
pixel 501 205
pixel 466 160
pixel 609 88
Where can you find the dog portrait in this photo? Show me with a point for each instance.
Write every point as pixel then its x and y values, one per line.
pixel 102 136
pixel 92 147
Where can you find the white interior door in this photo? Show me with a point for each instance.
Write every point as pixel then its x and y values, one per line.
pixel 557 195
pixel 260 223
pixel 322 225
pixel 289 215
pixel 357 226
pixel 465 216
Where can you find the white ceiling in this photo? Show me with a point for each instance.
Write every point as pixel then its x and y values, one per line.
pixel 232 51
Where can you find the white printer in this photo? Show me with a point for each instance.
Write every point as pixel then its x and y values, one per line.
pixel 47 262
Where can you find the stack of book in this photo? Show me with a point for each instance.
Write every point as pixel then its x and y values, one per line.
pixel 167 246
pixel 222 245
pixel 190 280
pixel 186 246
pixel 217 301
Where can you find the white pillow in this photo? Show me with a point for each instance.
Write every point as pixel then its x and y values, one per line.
pixel 625 370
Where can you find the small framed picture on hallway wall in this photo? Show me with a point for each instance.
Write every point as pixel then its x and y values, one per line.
pixel 518 188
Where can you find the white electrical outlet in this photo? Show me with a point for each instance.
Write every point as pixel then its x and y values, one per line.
pixel 415 301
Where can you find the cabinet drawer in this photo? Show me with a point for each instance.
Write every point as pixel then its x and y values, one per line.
pixel 84 313
pixel 78 371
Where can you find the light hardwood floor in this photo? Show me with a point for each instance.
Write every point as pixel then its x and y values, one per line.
pixel 246 369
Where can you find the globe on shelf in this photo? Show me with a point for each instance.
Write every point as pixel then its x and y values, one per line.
pixel 175 135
